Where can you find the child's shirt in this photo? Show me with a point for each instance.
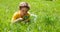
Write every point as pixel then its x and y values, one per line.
pixel 17 15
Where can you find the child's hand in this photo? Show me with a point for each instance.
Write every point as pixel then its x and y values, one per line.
pixel 20 19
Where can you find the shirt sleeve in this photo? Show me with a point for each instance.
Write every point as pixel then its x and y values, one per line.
pixel 15 16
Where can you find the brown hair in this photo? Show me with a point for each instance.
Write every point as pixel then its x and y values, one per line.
pixel 20 7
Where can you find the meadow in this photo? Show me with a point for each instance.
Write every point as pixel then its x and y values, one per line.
pixel 47 14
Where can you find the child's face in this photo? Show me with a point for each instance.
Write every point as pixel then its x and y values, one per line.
pixel 24 10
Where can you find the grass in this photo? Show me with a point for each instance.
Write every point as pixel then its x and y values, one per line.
pixel 48 16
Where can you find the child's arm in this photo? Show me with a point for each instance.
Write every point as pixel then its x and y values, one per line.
pixel 15 18
pixel 19 19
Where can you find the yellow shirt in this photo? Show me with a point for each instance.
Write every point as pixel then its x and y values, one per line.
pixel 17 15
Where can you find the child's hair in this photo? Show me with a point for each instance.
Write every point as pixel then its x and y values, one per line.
pixel 24 4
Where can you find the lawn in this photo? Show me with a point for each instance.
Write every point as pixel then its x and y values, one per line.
pixel 45 16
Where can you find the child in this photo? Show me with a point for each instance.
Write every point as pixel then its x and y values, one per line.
pixel 22 14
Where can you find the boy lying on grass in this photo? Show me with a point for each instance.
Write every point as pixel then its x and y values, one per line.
pixel 22 14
